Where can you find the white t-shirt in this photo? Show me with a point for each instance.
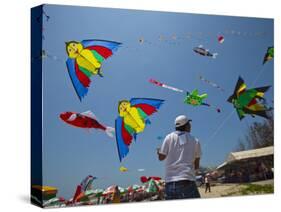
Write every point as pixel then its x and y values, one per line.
pixel 181 150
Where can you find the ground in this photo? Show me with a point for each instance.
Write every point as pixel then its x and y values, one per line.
pixel 220 190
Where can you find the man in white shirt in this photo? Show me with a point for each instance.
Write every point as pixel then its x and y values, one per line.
pixel 182 154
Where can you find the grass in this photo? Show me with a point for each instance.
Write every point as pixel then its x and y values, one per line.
pixel 257 189
pixel 250 189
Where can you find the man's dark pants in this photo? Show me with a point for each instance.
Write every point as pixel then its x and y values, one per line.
pixel 181 190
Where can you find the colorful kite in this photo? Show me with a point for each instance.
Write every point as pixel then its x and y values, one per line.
pixel 85 59
pixel 85 120
pixel 211 83
pixel 269 54
pixel 155 82
pixel 132 119
pixel 192 98
pixel 82 188
pixel 86 184
pixel 204 52
pixel 145 179
pixel 248 101
pixel 220 39
pixel 195 99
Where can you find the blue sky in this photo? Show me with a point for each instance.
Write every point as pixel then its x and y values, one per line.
pixel 70 154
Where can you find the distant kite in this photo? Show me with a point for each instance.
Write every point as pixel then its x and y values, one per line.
pixel 132 120
pixel 123 169
pixel 192 98
pixel 269 54
pixel 160 137
pixel 86 120
pixel 85 59
pixel 248 101
pixel 220 39
pixel 211 83
pixel 204 52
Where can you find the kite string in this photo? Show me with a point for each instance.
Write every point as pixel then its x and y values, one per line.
pixel 219 128
pixel 257 77
pixel 175 39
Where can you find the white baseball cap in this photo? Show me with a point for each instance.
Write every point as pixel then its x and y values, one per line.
pixel 181 120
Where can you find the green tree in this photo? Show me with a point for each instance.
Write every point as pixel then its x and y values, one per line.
pixel 258 135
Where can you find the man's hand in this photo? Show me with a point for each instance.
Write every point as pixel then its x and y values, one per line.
pixel 160 156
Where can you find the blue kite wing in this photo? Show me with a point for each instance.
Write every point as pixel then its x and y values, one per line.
pixel 80 89
pixel 112 45
pixel 122 148
pixel 152 102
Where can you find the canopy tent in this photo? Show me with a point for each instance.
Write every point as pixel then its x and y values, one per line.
pixel 248 154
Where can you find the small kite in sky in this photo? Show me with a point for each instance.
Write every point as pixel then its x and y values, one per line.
pixel 141 40
pixel 269 54
pixel 192 98
pixel 85 120
pixel 211 83
pixel 159 137
pixel 132 120
pixel 85 59
pixel 123 169
pixel 249 101
pixel 220 39
pixel 204 52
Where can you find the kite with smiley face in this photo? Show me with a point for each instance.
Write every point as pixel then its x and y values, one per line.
pixel 132 120
pixel 85 59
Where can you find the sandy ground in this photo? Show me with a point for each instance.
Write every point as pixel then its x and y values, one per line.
pixel 227 189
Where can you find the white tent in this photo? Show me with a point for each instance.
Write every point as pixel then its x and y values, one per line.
pixel 242 155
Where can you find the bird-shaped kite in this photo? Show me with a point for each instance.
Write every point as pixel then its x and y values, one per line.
pixel 85 59
pixel 248 101
pixel 269 54
pixel 132 119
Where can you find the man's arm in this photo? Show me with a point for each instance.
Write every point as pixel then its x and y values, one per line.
pixel 160 156
pixel 163 151
pixel 197 155
pixel 196 163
